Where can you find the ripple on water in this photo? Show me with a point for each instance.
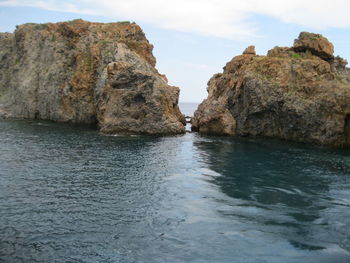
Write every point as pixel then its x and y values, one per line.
pixel 68 194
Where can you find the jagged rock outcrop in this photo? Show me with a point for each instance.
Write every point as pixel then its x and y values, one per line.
pixel 316 44
pixel 300 93
pixel 82 72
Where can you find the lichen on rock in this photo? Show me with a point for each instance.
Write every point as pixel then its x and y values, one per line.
pixel 299 93
pixel 83 72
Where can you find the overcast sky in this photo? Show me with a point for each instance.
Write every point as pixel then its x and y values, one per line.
pixel 193 39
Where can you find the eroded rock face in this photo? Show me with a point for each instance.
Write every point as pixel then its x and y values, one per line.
pixel 316 44
pixel 293 94
pixel 82 72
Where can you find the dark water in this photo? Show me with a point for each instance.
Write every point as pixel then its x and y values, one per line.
pixel 71 195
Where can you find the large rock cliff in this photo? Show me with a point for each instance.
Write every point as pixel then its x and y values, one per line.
pixel 82 72
pixel 300 93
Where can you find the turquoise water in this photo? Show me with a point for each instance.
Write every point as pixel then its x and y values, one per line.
pixel 69 194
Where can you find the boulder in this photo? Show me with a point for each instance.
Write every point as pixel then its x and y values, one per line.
pixel 249 51
pixel 316 44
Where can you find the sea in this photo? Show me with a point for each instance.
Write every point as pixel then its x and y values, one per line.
pixel 71 194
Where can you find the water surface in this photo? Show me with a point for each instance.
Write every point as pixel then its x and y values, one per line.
pixel 69 194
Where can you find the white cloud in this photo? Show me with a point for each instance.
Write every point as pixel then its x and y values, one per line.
pixel 220 18
pixel 61 6
pixel 319 14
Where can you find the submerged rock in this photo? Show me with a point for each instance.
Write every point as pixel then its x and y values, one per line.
pixel 82 72
pixel 300 93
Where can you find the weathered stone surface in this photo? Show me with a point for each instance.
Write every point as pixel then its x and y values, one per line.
pixel 290 95
pixel 249 51
pixel 316 44
pixel 280 52
pixel 82 72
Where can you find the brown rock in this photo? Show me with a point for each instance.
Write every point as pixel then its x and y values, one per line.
pixel 316 44
pixel 288 95
pixel 211 116
pixel 279 52
pixel 249 51
pixel 339 63
pixel 82 72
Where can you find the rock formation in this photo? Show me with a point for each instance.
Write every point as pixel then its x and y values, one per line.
pixel 300 93
pixel 82 72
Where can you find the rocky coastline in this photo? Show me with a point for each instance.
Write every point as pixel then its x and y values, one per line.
pixel 87 73
pixel 104 73
pixel 299 93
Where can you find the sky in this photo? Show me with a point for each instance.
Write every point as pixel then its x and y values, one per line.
pixel 194 39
